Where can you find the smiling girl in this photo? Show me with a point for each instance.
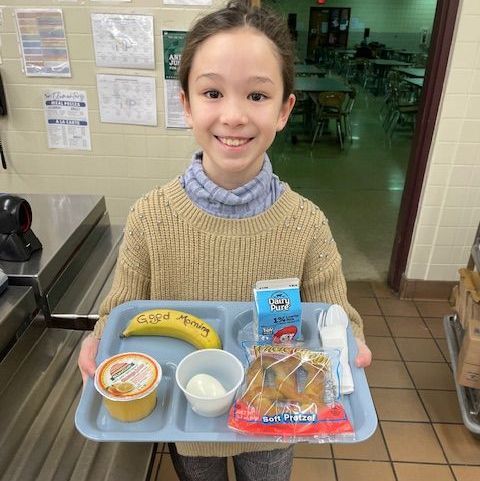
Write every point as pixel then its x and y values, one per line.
pixel 228 221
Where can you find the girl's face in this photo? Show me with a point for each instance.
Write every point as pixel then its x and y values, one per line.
pixel 235 104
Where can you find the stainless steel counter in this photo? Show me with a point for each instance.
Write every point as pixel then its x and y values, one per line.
pixel 61 222
pixel 40 383
pixel 70 228
pixel 17 307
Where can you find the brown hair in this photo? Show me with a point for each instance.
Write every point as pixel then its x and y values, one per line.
pixel 235 15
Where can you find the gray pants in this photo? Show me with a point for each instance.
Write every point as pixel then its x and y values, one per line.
pixel 255 466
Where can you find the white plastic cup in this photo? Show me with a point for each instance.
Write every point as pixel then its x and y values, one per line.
pixel 223 366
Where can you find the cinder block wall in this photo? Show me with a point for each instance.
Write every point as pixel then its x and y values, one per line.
pixel 450 206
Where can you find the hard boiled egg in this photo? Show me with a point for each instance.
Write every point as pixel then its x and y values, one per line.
pixel 204 385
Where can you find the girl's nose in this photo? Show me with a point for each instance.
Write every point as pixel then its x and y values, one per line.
pixel 233 113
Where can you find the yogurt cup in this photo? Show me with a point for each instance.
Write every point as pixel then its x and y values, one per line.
pixel 128 384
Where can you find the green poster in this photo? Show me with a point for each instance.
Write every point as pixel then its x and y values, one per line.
pixel 173 42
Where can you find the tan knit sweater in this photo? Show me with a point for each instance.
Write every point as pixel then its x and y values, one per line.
pixel 174 250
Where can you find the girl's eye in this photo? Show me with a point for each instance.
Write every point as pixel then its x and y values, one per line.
pixel 257 97
pixel 212 94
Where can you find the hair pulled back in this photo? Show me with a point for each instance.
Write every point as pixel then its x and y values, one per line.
pixel 239 14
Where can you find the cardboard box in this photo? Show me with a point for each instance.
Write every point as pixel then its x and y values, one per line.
pixel 468 295
pixel 468 364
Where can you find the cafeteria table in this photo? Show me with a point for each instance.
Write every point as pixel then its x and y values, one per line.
pixel 325 84
pixel 418 82
pixel 411 71
pixel 304 70
pixel 381 66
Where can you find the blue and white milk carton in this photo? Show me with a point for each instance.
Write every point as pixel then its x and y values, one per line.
pixel 278 310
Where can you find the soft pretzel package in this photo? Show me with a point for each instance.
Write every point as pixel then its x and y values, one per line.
pixel 291 394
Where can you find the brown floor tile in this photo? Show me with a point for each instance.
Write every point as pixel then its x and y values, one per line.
pixel 442 344
pixel 165 448
pixel 364 471
pixel 422 472
pixel 373 449
pixel 398 405
pixel 160 447
pixel 435 324
pixel 431 375
pixel 365 306
pixel 310 450
pixel 434 308
pixel 359 289
pixel 442 406
pixel 388 374
pixel 383 348
pixel 156 466
pixel 459 444
pixel 166 471
pixel 466 473
pixel 413 349
pixel 382 290
pixel 312 470
pixel 412 442
pixel 375 326
pixel 407 327
pixel 396 307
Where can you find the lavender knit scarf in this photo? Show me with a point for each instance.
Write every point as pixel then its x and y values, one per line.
pixel 248 200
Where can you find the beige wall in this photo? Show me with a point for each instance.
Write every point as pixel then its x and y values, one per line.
pixel 450 205
pixel 125 160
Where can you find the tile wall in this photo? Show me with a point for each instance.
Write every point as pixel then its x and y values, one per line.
pixel 449 211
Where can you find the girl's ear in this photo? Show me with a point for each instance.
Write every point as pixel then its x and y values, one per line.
pixel 186 108
pixel 285 111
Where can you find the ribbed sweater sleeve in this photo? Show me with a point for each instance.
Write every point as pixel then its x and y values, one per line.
pixel 132 273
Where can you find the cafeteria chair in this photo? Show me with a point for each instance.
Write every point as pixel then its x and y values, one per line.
pixel 403 107
pixel 347 111
pixel 329 105
pixel 300 118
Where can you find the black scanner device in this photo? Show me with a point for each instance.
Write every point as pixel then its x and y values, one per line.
pixel 17 240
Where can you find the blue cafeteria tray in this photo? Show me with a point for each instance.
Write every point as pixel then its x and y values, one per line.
pixel 173 419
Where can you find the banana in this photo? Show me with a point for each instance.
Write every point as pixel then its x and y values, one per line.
pixel 171 323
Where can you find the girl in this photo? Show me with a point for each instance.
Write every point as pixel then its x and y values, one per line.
pixel 228 221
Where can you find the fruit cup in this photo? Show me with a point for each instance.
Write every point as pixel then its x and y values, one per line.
pixel 128 383
pixel 221 365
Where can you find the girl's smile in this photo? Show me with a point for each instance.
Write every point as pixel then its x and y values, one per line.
pixel 235 104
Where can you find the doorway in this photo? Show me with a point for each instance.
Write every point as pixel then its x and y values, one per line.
pixel 370 191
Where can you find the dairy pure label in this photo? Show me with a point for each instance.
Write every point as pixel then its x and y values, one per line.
pixel 278 310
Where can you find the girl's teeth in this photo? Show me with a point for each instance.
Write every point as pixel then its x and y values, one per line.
pixel 233 142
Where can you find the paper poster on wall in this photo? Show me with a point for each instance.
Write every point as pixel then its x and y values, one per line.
pixel 127 99
pixel 173 42
pixel 123 40
pixel 43 42
pixel 187 2
pixel 66 116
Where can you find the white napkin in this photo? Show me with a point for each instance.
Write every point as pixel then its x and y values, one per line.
pixel 333 333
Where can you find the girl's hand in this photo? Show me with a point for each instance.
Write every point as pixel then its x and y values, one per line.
pixel 86 358
pixel 364 355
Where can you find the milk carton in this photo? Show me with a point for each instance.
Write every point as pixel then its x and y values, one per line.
pixel 278 310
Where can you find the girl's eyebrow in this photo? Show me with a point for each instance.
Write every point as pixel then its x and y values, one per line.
pixel 253 79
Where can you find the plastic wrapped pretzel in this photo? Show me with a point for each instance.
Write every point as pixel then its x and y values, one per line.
pixel 290 393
